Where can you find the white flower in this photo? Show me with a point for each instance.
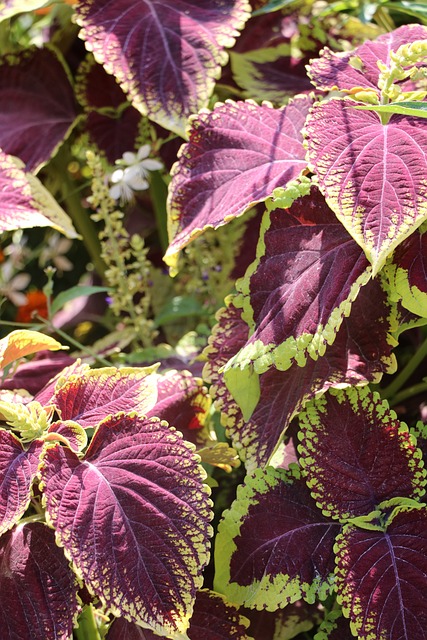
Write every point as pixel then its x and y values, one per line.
pixel 54 251
pixel 132 173
pixel 11 286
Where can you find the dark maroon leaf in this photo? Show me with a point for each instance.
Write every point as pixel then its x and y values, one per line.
pixel 133 518
pixel 18 469
pixel 355 357
pixel 112 123
pixel 359 68
pixel 382 577
pixel 33 375
pixel 183 401
pixel 213 619
pixel 302 249
pixel 216 619
pixel 90 397
pixel 38 597
pixel 166 54
pixel 38 108
pixel 350 441
pixel 240 148
pixel 274 546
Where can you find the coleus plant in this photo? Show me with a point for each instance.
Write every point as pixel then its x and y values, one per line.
pixel 338 275
pixel 124 519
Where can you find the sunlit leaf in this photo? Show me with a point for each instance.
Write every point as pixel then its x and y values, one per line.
pixel 166 55
pixel 10 8
pixel 240 148
pixel 349 70
pixel 18 469
pixel 26 203
pixel 24 342
pixel 90 397
pixel 133 517
pixel 372 174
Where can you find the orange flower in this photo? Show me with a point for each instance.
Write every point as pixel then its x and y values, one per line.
pixel 36 304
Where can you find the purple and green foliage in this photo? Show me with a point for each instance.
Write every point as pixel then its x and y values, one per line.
pixel 105 508
pixel 337 522
pixel 137 487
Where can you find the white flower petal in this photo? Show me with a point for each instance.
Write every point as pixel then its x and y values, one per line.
pixel 115 191
pixel 151 165
pixel 129 158
pixel 143 151
pixel 117 175
pixel 137 183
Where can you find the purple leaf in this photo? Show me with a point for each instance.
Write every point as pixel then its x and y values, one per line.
pixel 330 268
pixel 38 598
pixel 284 623
pixel 116 130
pixel 33 375
pixel 271 73
pixel 70 433
pixel 274 546
pixel 18 469
pixel 372 174
pixel 25 203
pixel 90 397
pixel 216 619
pixel 213 619
pixel 350 441
pixel 183 401
pixel 382 577
pixel 36 95
pixel 338 71
pixel 239 148
pixel 45 395
pixel 133 518
pixel 355 357
pixel 165 54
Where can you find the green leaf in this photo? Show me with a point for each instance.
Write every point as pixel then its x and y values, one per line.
pixel 74 292
pixel 275 5
pixel 416 9
pixel 405 107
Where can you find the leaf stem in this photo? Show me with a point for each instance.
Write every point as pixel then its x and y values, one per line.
pixel 87 629
pixel 404 375
pixel 409 392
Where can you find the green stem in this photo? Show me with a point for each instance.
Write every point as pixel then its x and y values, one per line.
pixel 158 193
pixel 398 382
pixel 83 224
pixel 409 392
pixel 78 214
pixel 87 629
